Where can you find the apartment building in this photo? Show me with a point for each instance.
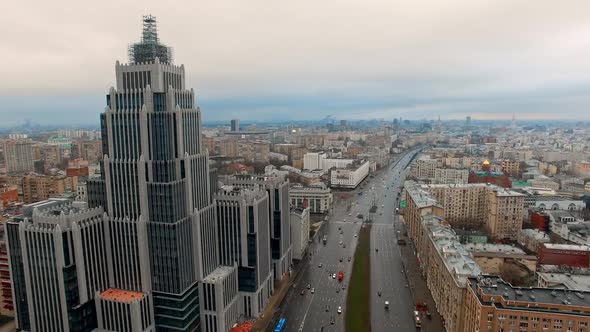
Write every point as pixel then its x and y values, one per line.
pixel 40 187
pixel 505 211
pixel 310 140
pixel 491 304
pixel 18 155
pixel 424 168
pixel 446 265
pixel 463 204
pixel 476 204
pixel 511 166
pixel 450 176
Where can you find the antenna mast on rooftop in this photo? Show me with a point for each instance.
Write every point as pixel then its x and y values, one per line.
pixel 150 48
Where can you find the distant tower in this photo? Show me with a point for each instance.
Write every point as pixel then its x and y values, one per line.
pixel 513 124
pixel 235 125
pixel 468 120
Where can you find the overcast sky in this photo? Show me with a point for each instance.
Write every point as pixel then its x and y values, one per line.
pixel 305 59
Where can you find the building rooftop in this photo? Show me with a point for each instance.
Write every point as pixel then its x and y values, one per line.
pixel 572 247
pixel 120 295
pixel 493 248
pixel 309 189
pixel 566 280
pixel 456 258
pixel 535 233
pixel 420 196
pixel 528 298
pixel 219 273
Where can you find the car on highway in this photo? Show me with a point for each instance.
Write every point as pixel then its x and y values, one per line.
pixel 332 320
pixel 313 290
pixel 339 310
pixel 355 235
pixel 334 276
pixel 303 292
pixel 327 308
pixel 349 258
pixel 308 286
pixel 340 242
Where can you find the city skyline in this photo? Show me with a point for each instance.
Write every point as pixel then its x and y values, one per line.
pixel 390 59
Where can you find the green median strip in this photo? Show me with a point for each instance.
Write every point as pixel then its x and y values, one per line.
pixel 358 311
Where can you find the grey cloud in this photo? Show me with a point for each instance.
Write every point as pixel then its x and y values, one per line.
pixel 384 50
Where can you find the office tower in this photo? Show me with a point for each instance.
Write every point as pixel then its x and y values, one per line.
pixel 58 261
pixel 468 121
pixel 235 125
pixel 244 239
pixel 219 292
pixel 18 156
pixel 156 185
pixel 277 188
pixel 156 177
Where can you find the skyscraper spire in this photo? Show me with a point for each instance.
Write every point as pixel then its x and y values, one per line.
pixel 149 48
pixel 513 124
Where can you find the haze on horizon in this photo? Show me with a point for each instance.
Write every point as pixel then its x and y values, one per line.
pixel 269 60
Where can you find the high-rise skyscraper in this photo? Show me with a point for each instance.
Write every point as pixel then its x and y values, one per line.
pixel 153 250
pixel 235 125
pixel 277 188
pixel 18 156
pixel 156 183
pixel 244 239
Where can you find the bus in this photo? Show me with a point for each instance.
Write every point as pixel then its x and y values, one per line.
pixel 281 325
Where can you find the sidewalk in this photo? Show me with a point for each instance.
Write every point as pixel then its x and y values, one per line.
pixel 418 287
pixel 269 316
pixel 281 289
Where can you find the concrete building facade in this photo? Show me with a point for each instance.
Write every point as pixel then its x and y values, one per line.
pixel 351 176
pixel 492 304
pixel 244 239
pixel 277 188
pixel 450 176
pixel 299 220
pixel 18 156
pixel 319 200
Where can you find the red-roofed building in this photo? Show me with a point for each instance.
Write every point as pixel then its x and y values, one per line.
pixel 243 327
pixel 564 254
pixel 123 310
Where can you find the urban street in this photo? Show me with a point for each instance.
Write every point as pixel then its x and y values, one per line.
pixel 305 310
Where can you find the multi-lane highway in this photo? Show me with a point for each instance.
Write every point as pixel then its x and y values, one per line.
pixel 387 278
pixel 317 311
